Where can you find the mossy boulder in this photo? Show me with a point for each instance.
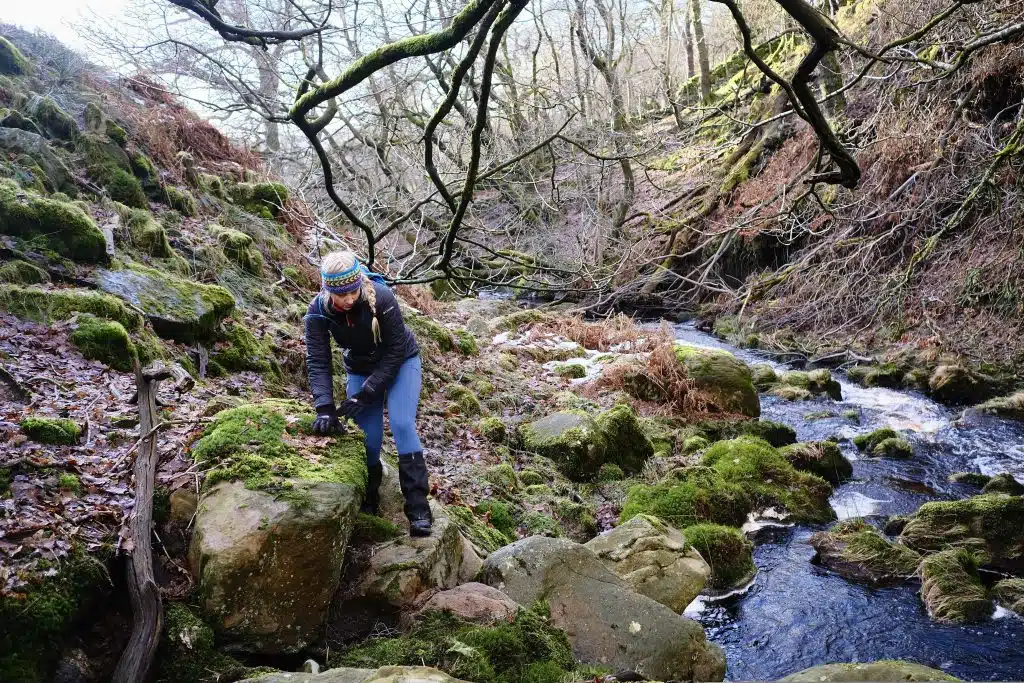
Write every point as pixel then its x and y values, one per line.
pixel 463 400
pixel 797 385
pixel 187 651
pixel 239 350
pixel 689 496
pixel 727 551
pixel 12 62
pixel 262 199
pixel 52 224
pixel 992 523
pixel 180 200
pixel 34 156
pixel 884 442
pixel 976 479
pixel 51 430
pixel 571 370
pixel 722 376
pixel 885 670
pixel 1011 406
pixel 37 619
pixel 106 341
pixel 1010 594
pixel 1004 483
pixel 857 551
pixel 52 119
pixel 385 674
pixel 503 477
pixel 959 385
pixel 492 429
pixel 655 559
pixel 146 234
pixel 580 444
pixel 178 309
pixel 273 523
pixel 482 529
pixel 770 480
pixel 45 305
pixel 22 273
pixel 887 375
pixel 823 458
pixel 951 588
pixel 607 623
pixel 775 433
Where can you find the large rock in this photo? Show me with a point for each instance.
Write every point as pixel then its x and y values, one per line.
pixel 653 559
pixel 16 142
pixel 50 223
pixel 579 444
pixel 857 551
pixel 266 567
pixel 1010 594
pixel 823 458
pixel 993 523
pixel 607 623
pixel 951 588
pixel 1011 406
pixel 798 385
pixel 476 603
pixel 886 670
pixel 179 309
pixel 959 385
pixel 387 674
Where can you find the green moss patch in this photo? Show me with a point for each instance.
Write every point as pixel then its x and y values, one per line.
pixel 12 62
pixel 54 121
pixel 689 496
pixel 729 554
pixel 373 529
pixel 492 429
pixel 22 273
pixel 867 442
pixel 180 200
pixel 527 650
pixel 146 234
pixel 463 401
pixel 187 651
pixel 722 376
pixel 823 458
pixel 1010 594
pixel 1011 406
pixel 44 305
pixel 262 199
pixel 481 529
pixel 59 226
pixel 51 430
pixel 856 550
pixel 270 445
pixel 242 351
pixel 106 341
pixel 239 248
pixel 951 588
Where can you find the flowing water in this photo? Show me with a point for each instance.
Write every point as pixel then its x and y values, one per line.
pixel 797 614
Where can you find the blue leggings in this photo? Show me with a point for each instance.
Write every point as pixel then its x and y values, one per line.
pixel 403 397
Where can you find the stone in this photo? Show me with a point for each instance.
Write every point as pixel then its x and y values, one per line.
pixel 723 376
pixel 476 603
pixel 823 458
pixel 184 504
pixel 607 623
pixel 951 588
pixel 992 523
pixel 654 559
pixel 958 385
pixel 268 567
pixel 798 385
pixel 472 563
pixel 1004 483
pixel 59 225
pixel 1011 407
pixel 56 175
pixel 178 309
pixel 858 552
pixel 885 670
pixel 1010 594
pixel 387 674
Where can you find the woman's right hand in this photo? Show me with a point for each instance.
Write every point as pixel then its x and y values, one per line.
pixel 326 421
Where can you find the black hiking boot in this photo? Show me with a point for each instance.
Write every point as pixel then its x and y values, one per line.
pixel 371 501
pixel 412 477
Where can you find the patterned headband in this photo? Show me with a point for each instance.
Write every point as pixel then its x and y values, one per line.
pixel 343 282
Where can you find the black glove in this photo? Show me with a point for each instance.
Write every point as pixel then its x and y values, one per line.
pixel 352 407
pixel 326 421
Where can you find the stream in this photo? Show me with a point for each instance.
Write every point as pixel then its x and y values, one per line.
pixel 797 614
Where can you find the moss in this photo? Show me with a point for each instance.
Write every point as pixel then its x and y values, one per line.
pixel 689 496
pixel 531 477
pixel 993 523
pixel 373 529
pixel 35 622
pixel 893 448
pixel 513 322
pixel 256 444
pixel 502 476
pixel 970 478
pixel 576 519
pixel 492 429
pixel 116 133
pixel 887 375
pixel 430 331
pixel 12 62
pixel 1011 406
pixel 43 305
pixel 146 234
pixel 106 341
pixel 187 650
pixel 571 370
pixel 180 200
pixel 1004 483
pixel 692 444
pixel 463 400
pixel 867 442
pixel 763 376
pixel 538 490
pixel 540 524
pixel 143 168
pixel 726 550
pixel 951 588
pixel 822 458
pixel 213 185
pixel 94 118
pixel 526 650
pixel 722 376
pixel 242 351
pixel 857 551
pixel 262 199
pixel 465 342
pixel 770 480
pixel 1010 594
pixel 22 273
pixel 121 185
pixel 59 226
pixel 68 481
pixel 484 534
pixel 610 472
pixel 54 121
pixel 51 430
pixel 625 441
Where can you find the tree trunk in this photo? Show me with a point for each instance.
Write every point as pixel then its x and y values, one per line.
pixel 688 41
pixel 668 8
pixel 702 50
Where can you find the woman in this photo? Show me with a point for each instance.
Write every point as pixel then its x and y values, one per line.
pixel 383 364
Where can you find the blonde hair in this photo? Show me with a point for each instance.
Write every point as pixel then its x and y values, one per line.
pixel 337 261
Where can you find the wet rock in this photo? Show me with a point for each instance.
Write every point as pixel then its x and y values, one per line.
pixel 476 603
pixel 951 589
pixel 887 375
pixel 894 525
pixel 992 523
pixel 857 551
pixel 654 559
pixel 1004 483
pixel 1010 594
pixel 958 385
pixel 727 551
pixel 579 444
pixel 884 442
pixel 797 385
pixel 1011 406
pixel 976 479
pixel 606 622
pixel 387 674
pixel 823 458
pixel 886 670
pixel 267 567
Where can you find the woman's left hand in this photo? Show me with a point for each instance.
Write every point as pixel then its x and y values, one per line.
pixel 350 408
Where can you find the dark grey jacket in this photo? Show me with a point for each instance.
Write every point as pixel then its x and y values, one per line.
pixel 352 332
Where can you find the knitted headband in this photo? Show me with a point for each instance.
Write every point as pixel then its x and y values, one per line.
pixel 343 282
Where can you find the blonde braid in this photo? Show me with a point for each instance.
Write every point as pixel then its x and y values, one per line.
pixel 370 294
